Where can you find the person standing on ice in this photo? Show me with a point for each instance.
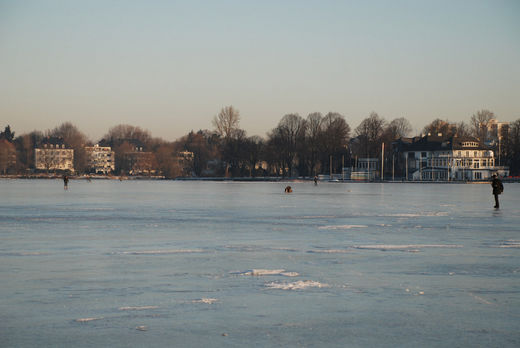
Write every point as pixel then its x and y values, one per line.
pixel 498 188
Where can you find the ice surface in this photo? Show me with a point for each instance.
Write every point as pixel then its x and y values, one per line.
pixel 149 263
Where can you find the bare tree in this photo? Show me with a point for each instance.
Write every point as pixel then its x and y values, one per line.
pixel 167 161
pixel 369 134
pixel 125 132
pixel 25 145
pixel 462 130
pixel 479 123
pixel 7 156
pixel 438 126
pixel 334 139
pixel 226 126
pixel 253 147
pixel 226 122
pixel 398 128
pixel 313 137
pixel 77 140
pixel 287 139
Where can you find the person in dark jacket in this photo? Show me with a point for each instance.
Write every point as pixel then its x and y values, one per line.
pixel 498 188
pixel 65 182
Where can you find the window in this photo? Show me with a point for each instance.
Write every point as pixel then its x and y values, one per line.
pixel 478 175
pixel 423 154
pixel 469 144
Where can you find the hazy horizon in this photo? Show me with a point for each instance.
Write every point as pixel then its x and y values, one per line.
pixel 169 67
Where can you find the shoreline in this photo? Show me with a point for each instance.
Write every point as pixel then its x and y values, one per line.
pixel 246 179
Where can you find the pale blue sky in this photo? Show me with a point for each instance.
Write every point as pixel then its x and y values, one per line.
pixel 170 66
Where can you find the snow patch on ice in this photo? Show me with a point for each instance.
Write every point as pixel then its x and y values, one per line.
pixel 299 285
pixel 86 320
pixel 267 272
pixel 205 300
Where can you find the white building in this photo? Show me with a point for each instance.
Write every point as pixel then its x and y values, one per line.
pixel 101 159
pixel 365 169
pixel 495 131
pixel 53 155
pixel 438 158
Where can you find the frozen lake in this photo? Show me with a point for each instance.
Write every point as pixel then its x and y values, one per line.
pixel 220 264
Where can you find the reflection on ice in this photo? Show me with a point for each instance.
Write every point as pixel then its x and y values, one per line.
pixel 426 213
pixel 406 247
pixel 161 252
pixel 329 251
pixel 137 308
pixel 341 227
pixel 510 244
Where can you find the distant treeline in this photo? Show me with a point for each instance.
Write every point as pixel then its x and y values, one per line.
pixel 297 146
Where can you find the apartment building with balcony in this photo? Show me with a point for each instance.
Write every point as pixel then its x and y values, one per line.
pixel 101 159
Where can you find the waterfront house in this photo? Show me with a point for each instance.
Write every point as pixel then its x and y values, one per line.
pixel 52 154
pixel 445 158
pixel 137 161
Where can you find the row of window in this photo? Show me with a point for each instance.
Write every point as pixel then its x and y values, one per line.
pixel 443 175
pixel 54 146
pixel 458 153
pixel 464 162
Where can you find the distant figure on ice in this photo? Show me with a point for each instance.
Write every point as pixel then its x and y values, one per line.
pixel 498 188
pixel 288 189
pixel 315 180
pixel 65 182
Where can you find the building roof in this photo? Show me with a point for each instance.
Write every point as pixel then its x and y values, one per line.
pixel 438 143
